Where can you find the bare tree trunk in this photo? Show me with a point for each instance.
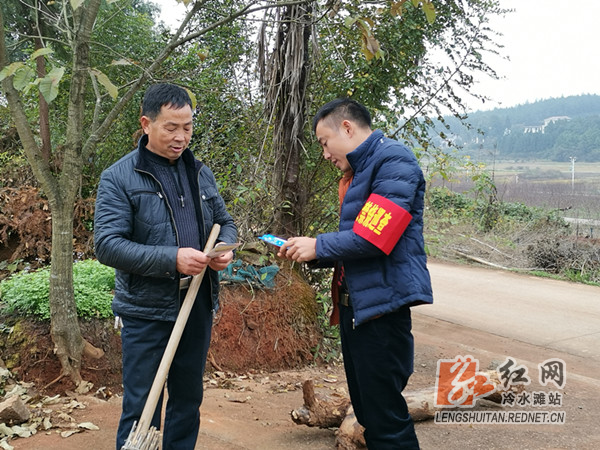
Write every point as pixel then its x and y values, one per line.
pixel 65 330
pixel 285 86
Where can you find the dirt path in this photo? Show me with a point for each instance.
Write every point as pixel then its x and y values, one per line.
pixel 252 411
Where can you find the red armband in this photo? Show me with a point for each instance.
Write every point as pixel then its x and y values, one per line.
pixel 381 222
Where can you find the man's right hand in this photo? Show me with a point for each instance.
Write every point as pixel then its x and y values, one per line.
pixel 300 249
pixel 191 261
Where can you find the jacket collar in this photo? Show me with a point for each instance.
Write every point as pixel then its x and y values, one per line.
pixel 358 157
pixel 143 162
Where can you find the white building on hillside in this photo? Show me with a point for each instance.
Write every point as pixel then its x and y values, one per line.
pixel 542 128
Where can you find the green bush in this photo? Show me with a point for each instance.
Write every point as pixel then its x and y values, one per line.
pixel 442 199
pixel 444 202
pixel 27 293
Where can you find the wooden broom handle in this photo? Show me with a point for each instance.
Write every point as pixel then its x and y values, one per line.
pixel 167 358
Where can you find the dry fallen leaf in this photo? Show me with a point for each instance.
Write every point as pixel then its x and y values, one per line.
pixel 68 433
pixel 88 426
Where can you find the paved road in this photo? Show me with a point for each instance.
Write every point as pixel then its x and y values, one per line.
pixel 493 314
pixel 556 315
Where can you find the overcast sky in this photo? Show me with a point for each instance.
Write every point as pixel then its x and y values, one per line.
pixel 553 50
pixel 552 46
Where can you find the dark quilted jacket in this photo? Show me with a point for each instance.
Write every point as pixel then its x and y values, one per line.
pixel 134 232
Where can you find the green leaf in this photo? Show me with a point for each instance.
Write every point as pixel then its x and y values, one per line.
pixel 349 21
pixel 10 70
pixel 49 84
pixel 76 4
pixel 192 98
pixel 23 77
pixel 429 11
pixel 29 86
pixel 113 91
pixel 41 52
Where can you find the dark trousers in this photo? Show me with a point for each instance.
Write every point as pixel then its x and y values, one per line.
pixel 378 360
pixel 143 344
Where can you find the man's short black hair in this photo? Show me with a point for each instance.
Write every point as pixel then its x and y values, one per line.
pixel 343 109
pixel 164 94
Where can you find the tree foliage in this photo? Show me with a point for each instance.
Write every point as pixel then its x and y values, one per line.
pixel 380 54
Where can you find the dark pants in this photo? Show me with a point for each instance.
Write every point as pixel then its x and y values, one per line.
pixel 378 359
pixel 143 344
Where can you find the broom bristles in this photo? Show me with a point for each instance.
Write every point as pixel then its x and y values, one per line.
pixel 142 440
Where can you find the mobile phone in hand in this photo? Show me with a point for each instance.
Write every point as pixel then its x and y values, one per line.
pixel 273 240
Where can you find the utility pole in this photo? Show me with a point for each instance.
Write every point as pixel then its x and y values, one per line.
pixel 573 159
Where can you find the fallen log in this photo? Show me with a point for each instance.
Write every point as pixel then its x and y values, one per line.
pixel 350 434
pixel 320 411
pixel 479 260
pixel 336 411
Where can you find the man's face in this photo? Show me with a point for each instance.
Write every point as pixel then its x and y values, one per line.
pixel 170 134
pixel 336 142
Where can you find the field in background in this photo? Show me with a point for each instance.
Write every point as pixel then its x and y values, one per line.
pixel 549 185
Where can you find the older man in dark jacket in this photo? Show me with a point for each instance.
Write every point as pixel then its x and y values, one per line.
pixel 381 266
pixel 155 208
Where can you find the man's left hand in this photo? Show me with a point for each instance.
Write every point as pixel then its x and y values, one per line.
pixel 221 262
pixel 300 249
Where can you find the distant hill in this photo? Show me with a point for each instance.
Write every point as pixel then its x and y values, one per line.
pixel 553 129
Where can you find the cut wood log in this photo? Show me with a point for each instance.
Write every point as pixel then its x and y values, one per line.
pixel 420 404
pixel 320 411
pixel 350 434
pixel 336 411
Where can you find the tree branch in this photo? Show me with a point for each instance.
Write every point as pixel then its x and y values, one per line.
pixel 39 165
pixel 175 42
pixel 445 83
pixel 83 21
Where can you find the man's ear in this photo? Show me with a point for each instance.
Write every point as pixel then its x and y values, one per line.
pixel 145 122
pixel 348 127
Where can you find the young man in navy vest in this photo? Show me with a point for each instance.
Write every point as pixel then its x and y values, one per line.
pixel 381 266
